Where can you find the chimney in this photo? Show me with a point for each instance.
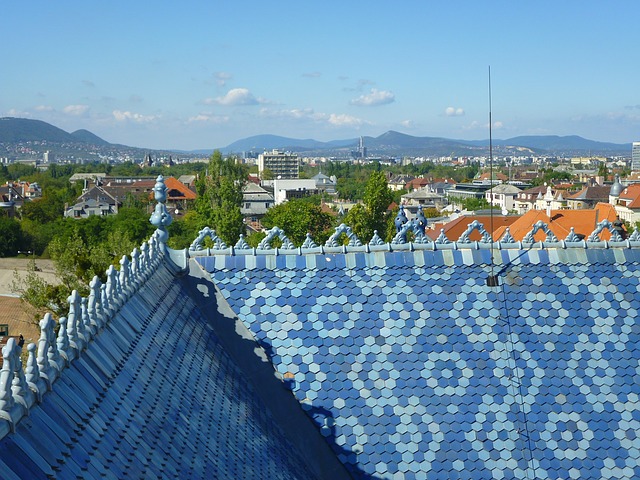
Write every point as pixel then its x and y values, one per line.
pixel 548 198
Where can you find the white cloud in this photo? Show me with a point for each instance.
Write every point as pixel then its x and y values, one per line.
pixel 222 78
pixel 121 116
pixel 208 118
pixel 374 98
pixel 44 108
pixel 12 112
pixel 454 112
pixel 408 123
pixel 76 110
pixel 333 119
pixel 343 120
pixel 296 113
pixel 312 74
pixel 235 97
pixel 88 83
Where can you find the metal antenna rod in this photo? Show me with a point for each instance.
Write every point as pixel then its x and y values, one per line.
pixel 492 279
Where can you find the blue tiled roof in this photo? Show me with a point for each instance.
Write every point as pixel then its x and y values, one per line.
pixel 155 395
pixel 422 360
pixel 414 368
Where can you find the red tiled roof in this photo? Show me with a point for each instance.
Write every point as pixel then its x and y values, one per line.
pixel 632 193
pixel 457 227
pixel 583 222
pixel 184 192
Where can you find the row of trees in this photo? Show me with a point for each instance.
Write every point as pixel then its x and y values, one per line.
pixel 82 248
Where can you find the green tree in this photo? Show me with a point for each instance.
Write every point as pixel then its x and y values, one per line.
pixel 38 293
pixel 133 222
pixel 183 231
pixel 298 217
pixel 267 174
pixel 11 235
pixel 603 171
pixel 373 215
pixel 46 209
pixel 377 198
pixel 220 197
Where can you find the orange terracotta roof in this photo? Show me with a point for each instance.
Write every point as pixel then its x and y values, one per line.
pixel 632 194
pixel 416 183
pixel 178 190
pixel 457 227
pixel 496 176
pixel 583 222
pixel 20 317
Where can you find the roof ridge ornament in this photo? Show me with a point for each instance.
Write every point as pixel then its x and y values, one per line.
pixel 218 243
pixel 332 241
pixel 242 244
pixel 540 225
pixel 572 237
pixel 161 218
pixel 595 235
pixel 475 225
pixel 376 240
pixel 507 237
pixel 265 243
pixel 442 238
pixel 308 242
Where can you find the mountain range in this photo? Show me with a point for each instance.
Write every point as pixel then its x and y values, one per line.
pixel 390 144
pixel 393 143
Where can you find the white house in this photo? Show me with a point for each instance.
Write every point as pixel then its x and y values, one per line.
pixel 503 196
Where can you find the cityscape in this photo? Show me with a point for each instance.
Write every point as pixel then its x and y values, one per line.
pixel 336 240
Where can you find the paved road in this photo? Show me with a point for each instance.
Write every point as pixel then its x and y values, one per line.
pixel 8 267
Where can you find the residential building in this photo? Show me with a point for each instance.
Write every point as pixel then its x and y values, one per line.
pixel 416 183
pixel 324 183
pixel 503 196
pixel 425 197
pixel 526 199
pixel 107 197
pixel 255 202
pixel 11 198
pixel 399 182
pixel 286 189
pixel 635 157
pixel 94 201
pixel 468 190
pixel 486 178
pixel 627 203
pixel 589 196
pixel 281 164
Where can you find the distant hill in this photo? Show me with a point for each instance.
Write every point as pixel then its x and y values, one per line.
pixel 269 142
pixel 391 143
pixel 86 136
pixel 16 130
pixel 394 143
pixel 568 143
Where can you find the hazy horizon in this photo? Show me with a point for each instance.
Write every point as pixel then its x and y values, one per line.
pixel 199 75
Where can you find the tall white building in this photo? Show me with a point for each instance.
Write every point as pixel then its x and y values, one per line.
pixel 635 157
pixel 280 164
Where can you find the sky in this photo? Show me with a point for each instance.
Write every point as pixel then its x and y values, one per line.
pixel 202 74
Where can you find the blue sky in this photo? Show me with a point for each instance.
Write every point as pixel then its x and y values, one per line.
pixel 202 74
